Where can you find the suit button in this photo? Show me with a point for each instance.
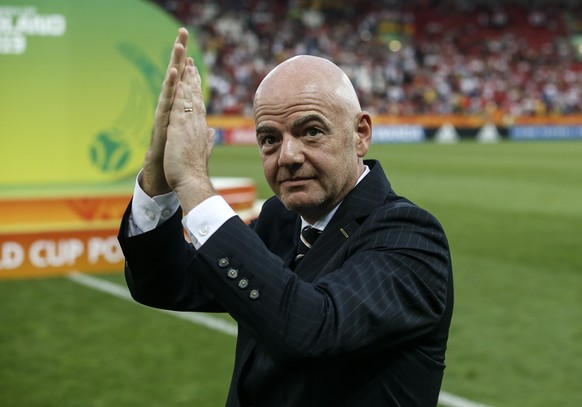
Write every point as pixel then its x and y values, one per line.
pixel 232 273
pixel 254 294
pixel 222 263
pixel 243 283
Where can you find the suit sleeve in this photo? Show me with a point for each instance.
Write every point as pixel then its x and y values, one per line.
pixel 157 268
pixel 388 285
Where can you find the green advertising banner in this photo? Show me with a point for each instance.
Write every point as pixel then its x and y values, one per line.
pixel 79 83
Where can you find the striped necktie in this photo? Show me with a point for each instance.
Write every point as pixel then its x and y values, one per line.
pixel 308 236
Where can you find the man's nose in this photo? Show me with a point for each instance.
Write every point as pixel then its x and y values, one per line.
pixel 291 152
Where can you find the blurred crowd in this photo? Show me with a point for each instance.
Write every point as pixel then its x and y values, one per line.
pixel 404 57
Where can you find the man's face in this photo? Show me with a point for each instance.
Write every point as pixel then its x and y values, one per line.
pixel 310 149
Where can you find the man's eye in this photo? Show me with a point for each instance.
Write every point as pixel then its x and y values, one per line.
pixel 267 140
pixel 312 131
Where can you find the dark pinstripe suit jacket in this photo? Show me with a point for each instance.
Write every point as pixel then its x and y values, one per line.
pixel 362 321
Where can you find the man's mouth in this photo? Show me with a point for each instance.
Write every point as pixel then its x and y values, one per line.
pixel 295 182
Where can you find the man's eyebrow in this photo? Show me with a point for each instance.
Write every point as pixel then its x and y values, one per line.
pixel 301 121
pixel 266 129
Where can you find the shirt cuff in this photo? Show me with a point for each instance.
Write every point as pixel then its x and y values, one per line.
pixel 148 213
pixel 205 219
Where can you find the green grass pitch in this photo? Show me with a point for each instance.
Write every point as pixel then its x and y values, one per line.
pixel 513 214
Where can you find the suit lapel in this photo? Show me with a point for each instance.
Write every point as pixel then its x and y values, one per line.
pixel 328 244
pixel 278 228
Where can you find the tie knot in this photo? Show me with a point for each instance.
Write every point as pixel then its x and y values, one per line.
pixel 309 235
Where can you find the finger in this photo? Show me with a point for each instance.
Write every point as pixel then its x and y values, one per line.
pixel 178 115
pixel 168 89
pixel 177 60
pixel 178 57
pixel 180 48
pixel 186 91
pixel 181 103
pixel 188 62
pixel 196 88
pixel 194 102
pixel 173 73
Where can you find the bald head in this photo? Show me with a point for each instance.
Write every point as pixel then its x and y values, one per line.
pixel 305 74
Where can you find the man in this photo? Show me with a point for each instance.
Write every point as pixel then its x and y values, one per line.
pixel 361 318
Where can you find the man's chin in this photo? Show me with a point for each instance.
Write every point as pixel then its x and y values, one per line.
pixel 300 201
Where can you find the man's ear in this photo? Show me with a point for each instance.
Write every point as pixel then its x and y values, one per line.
pixel 363 133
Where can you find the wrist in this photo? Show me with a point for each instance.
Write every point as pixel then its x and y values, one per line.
pixel 193 191
pixel 153 183
pixel 153 178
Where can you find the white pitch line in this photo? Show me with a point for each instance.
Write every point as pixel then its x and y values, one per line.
pixel 217 324
pixel 450 400
pixel 122 292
